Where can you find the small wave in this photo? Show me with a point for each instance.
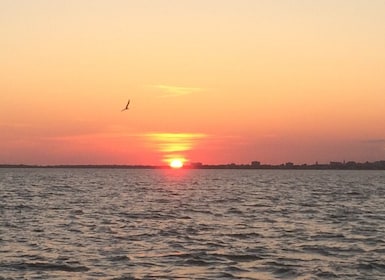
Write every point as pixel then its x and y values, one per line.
pixel 184 218
pixel 148 216
pixel 325 251
pixel 23 207
pixel 226 275
pixel 235 269
pixel 195 259
pixel 379 250
pixel 33 257
pixel 245 235
pixel 161 200
pixel 48 267
pixel 77 212
pixel 328 235
pixel 196 262
pixel 354 193
pixel 233 210
pixel 325 274
pixel 241 258
pixel 283 271
pixel 371 266
pixel 124 278
pixel 119 258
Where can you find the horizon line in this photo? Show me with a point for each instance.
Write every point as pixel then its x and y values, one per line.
pixel 377 165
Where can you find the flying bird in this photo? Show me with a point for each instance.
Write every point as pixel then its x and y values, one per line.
pixel 126 108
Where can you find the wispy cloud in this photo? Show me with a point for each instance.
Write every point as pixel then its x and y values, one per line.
pixel 174 142
pixel 173 145
pixel 170 91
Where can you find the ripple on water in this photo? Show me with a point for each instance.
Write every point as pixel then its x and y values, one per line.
pixel 43 266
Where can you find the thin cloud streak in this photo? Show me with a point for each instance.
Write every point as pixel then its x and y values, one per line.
pixel 174 142
pixel 172 145
pixel 173 91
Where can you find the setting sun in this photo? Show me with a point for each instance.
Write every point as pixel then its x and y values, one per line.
pixel 176 163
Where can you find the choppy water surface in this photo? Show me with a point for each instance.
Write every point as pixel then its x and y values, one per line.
pixel 191 224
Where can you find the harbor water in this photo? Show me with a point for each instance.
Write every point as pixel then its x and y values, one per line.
pixel 101 223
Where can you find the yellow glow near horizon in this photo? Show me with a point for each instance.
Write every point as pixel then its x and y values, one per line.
pixel 174 145
pixel 176 163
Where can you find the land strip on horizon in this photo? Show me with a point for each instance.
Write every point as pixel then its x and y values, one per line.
pixel 350 165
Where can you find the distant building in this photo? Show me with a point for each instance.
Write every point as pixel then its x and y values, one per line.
pixel 255 164
pixel 196 164
pixel 336 164
pixel 289 164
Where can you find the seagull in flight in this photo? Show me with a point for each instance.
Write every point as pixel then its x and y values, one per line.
pixel 126 108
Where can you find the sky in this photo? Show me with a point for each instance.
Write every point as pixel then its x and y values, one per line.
pixel 211 81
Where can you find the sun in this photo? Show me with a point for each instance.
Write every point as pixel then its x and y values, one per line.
pixel 176 163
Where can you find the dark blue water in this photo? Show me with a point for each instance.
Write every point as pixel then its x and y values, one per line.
pixel 191 224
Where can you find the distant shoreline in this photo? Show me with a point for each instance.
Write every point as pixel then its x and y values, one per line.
pixel 350 165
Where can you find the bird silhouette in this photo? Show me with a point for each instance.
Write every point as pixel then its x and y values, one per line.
pixel 126 108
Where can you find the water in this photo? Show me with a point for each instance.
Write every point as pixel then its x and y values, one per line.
pixel 191 224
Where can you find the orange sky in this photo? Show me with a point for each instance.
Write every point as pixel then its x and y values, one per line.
pixel 214 81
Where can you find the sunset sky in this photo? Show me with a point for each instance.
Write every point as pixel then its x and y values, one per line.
pixel 212 81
